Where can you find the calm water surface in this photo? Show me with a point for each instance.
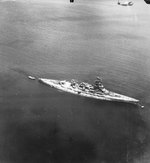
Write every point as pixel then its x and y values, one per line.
pixel 56 39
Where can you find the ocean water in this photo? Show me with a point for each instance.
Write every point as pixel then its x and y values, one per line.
pixel 59 40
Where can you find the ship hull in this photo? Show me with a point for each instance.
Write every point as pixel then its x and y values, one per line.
pixel 108 95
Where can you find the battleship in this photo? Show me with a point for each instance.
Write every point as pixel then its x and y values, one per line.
pixel 88 90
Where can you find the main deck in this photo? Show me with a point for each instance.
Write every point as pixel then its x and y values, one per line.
pixel 105 95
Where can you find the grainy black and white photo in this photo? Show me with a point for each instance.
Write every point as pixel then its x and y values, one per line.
pixel 74 81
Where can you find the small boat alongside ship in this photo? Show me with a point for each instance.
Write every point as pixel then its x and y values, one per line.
pixel 88 90
pixel 31 77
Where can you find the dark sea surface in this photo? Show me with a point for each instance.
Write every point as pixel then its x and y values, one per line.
pixel 59 40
